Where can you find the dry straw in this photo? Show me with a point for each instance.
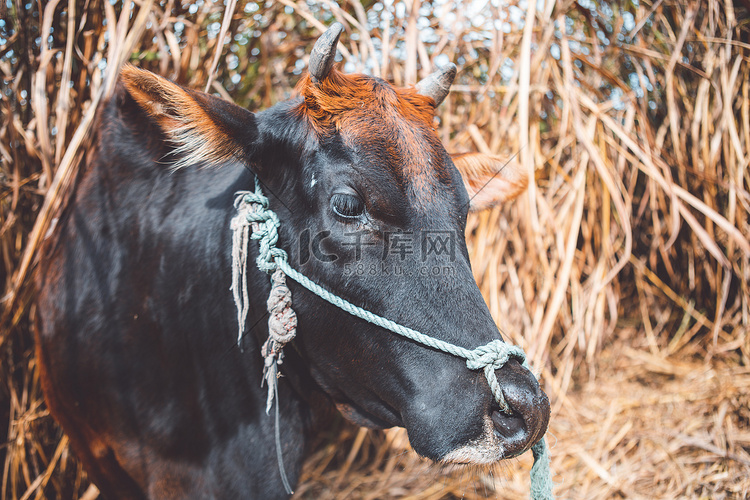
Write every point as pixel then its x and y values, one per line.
pixel 624 272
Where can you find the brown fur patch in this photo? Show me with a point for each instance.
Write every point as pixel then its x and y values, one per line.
pixel 372 115
pixel 329 102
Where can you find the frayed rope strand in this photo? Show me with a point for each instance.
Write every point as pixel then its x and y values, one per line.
pixel 253 211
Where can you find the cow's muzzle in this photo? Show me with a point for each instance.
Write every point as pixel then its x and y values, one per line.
pixel 508 434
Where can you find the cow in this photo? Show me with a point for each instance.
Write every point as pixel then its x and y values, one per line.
pixel 136 329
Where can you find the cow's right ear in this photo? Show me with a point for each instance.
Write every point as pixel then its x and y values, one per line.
pixel 490 180
pixel 204 128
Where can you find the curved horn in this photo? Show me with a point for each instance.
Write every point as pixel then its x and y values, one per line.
pixel 323 53
pixel 438 84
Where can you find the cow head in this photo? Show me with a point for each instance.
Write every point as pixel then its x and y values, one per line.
pixel 373 208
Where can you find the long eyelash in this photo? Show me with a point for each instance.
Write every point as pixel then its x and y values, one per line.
pixel 347 205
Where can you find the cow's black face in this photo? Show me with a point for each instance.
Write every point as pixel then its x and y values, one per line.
pixel 375 211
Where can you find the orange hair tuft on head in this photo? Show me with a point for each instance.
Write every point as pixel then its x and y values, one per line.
pixel 327 103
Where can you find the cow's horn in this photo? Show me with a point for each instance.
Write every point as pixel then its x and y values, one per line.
pixel 323 53
pixel 438 84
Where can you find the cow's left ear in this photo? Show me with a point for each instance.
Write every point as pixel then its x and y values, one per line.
pixel 490 180
pixel 204 128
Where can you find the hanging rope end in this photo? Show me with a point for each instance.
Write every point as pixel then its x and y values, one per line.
pixel 541 478
pixel 270 378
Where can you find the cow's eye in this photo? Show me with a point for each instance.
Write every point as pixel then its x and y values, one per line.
pixel 347 205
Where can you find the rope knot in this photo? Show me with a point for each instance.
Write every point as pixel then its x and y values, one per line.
pixel 254 212
pixel 490 357
pixel 494 354
pixel 282 322
pixel 256 197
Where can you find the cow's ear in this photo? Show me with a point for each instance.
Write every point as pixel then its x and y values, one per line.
pixel 203 128
pixel 490 180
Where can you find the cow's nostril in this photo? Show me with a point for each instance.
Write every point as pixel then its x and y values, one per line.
pixel 529 406
pixel 511 429
pixel 508 425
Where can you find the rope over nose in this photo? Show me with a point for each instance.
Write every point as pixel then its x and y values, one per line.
pixel 491 357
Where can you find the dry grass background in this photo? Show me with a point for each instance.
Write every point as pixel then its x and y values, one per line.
pixel 624 272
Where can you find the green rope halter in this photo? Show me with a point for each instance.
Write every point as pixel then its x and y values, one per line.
pixel 253 211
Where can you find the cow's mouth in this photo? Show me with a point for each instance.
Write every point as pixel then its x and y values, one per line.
pixel 504 437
